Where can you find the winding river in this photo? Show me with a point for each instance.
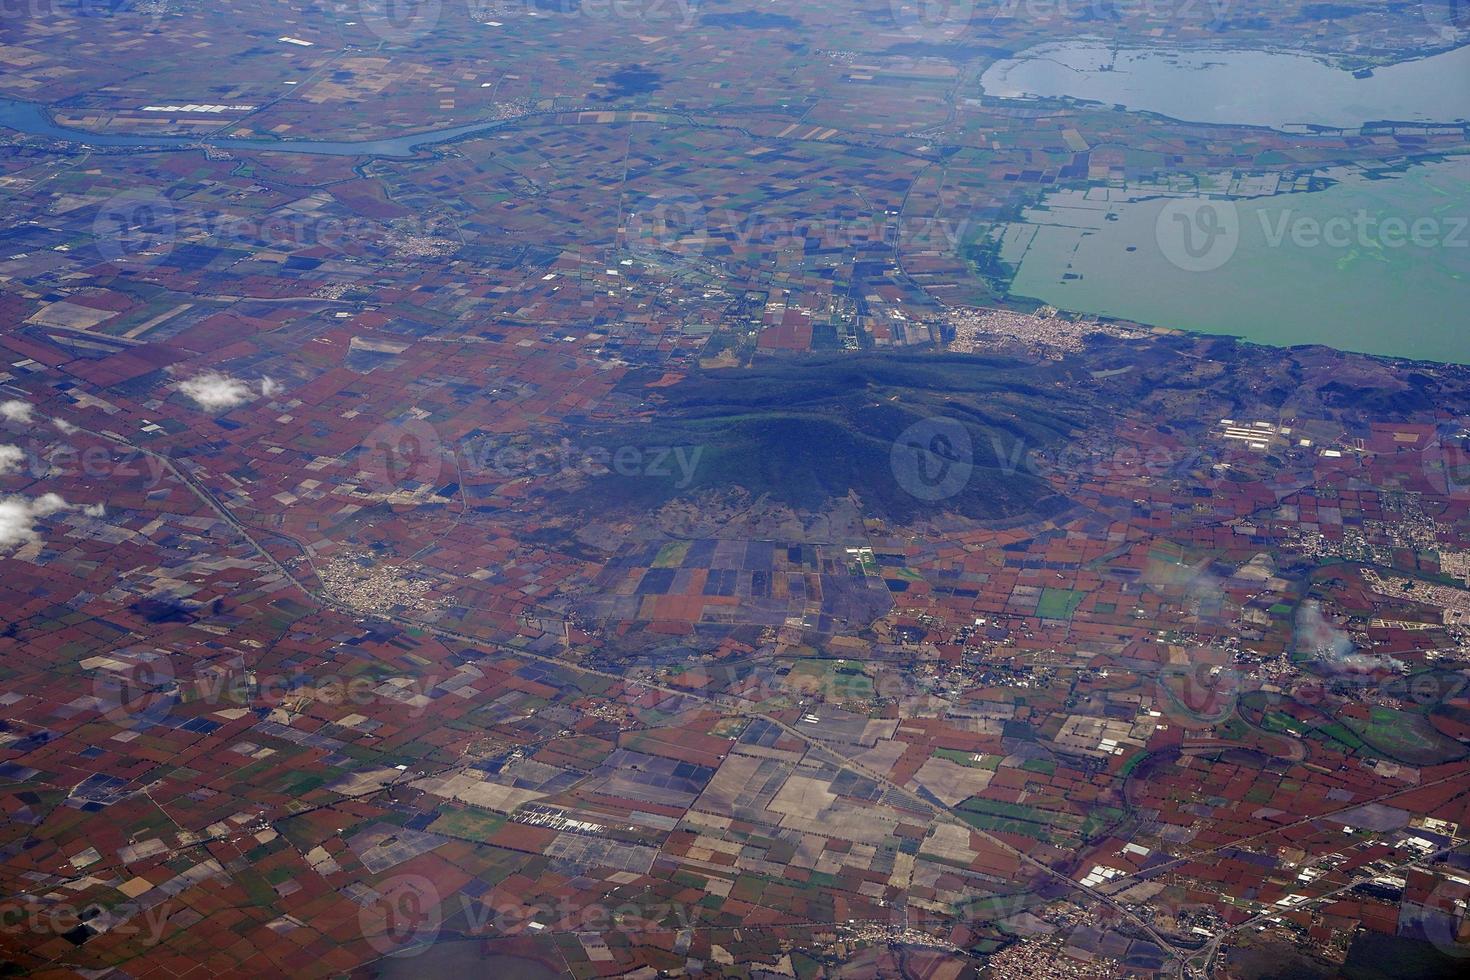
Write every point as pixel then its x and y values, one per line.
pixel 33 120
pixel 1377 263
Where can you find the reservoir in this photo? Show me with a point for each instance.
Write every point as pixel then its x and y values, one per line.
pixel 1374 263
pixel 1281 90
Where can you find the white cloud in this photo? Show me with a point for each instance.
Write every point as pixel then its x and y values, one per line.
pixel 95 510
pixel 215 391
pixel 16 411
pixel 12 459
pixel 63 426
pixel 18 516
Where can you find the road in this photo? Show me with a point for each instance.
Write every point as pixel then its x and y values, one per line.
pixel 727 703
pixel 1213 948
pixel 735 705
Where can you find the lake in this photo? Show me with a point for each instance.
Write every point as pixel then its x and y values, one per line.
pixel 1380 266
pixel 1111 252
pixel 1259 88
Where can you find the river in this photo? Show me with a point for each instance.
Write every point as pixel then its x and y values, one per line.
pixel 32 119
pixel 1380 266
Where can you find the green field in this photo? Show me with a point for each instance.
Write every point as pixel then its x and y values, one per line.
pixel 475 825
pixel 1407 737
pixel 1059 603
pixel 991 762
